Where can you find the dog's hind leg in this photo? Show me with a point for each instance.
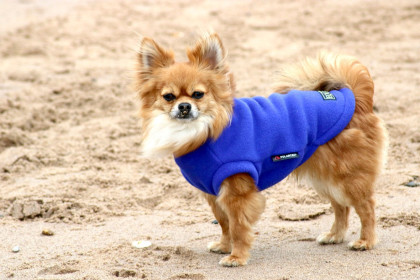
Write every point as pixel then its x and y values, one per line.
pixel 224 245
pixel 243 204
pixel 339 228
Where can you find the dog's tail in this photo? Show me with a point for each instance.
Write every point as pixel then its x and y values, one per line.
pixel 329 72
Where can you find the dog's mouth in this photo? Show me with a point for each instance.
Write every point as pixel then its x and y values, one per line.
pixel 188 114
pixel 185 117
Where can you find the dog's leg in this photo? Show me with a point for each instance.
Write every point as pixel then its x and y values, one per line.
pixel 365 210
pixel 243 204
pixel 224 245
pixel 339 228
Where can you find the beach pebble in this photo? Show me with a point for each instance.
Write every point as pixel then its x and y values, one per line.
pixel 412 184
pixel 47 232
pixel 15 249
pixel 141 244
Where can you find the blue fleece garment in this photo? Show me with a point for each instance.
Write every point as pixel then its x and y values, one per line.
pixel 269 137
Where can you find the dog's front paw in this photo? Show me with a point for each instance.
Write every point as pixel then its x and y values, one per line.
pixel 329 238
pixel 218 247
pixel 233 261
pixel 361 245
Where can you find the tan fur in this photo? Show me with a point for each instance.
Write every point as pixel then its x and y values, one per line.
pixel 343 170
pixel 348 164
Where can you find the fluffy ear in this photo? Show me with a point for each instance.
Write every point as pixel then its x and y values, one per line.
pixel 209 52
pixel 151 56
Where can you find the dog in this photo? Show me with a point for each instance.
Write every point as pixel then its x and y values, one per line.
pixel 188 110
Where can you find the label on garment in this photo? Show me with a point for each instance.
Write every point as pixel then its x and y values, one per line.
pixel 284 157
pixel 326 95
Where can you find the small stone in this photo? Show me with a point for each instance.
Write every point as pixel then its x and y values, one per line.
pixel 141 244
pixel 215 222
pixel 15 249
pixel 412 184
pixel 47 232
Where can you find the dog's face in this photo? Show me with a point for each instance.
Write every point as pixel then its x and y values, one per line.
pixel 183 104
pixel 184 92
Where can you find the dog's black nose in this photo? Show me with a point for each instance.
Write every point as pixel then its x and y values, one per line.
pixel 184 108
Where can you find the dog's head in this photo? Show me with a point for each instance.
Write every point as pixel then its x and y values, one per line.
pixel 183 104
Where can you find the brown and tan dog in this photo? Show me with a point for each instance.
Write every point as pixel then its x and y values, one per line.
pixel 343 170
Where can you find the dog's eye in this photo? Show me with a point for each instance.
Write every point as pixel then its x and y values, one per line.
pixel 197 94
pixel 169 97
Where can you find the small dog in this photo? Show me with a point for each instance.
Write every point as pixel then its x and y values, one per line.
pixel 319 124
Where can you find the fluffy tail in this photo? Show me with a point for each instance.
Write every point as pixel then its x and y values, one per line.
pixel 330 72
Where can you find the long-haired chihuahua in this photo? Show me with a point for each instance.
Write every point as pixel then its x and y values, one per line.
pixel 318 124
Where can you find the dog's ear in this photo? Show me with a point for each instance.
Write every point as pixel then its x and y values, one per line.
pixel 152 56
pixel 208 52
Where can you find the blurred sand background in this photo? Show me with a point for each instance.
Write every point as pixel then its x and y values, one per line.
pixel 69 140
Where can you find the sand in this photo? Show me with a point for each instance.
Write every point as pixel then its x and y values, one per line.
pixel 69 140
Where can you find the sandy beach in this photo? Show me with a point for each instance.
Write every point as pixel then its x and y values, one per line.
pixel 70 137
